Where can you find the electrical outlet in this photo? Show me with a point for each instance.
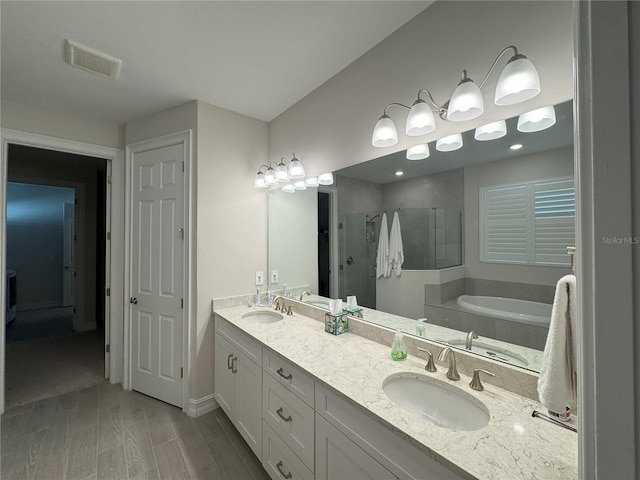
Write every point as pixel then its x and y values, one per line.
pixel 259 278
pixel 274 276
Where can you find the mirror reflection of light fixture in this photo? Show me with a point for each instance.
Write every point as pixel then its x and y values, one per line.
pixel 311 182
pixel 518 82
pixel 296 170
pixel 325 179
pixel 536 120
pixel 300 185
pixel 288 188
pixel 418 152
pixel 491 131
pixel 449 143
pixel 282 173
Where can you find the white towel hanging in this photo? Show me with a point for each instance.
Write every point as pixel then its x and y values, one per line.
pixel 382 257
pixel 557 383
pixel 396 249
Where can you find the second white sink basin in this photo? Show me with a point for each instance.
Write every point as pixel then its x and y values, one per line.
pixel 436 401
pixel 262 316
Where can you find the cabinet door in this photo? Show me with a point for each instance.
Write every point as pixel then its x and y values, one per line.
pixel 225 378
pixel 249 402
pixel 339 457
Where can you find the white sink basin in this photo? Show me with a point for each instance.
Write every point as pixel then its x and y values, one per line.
pixel 491 351
pixel 262 316
pixel 436 401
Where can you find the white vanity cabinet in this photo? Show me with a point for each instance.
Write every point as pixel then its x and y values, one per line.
pixel 238 382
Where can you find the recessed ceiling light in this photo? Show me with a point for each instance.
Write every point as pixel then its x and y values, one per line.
pixel 399 173
pixel 516 146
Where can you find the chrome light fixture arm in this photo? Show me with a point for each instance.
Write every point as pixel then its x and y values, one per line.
pixel 516 55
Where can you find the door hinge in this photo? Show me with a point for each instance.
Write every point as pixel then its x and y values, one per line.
pixel 181 233
pixel 107 348
pixel 108 235
pixel 108 292
pixel 181 372
pixel 75 201
pixel 74 309
pixel 183 165
pixel 182 303
pixel 109 180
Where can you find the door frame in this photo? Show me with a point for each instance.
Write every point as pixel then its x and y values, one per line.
pixel 188 350
pixel 114 224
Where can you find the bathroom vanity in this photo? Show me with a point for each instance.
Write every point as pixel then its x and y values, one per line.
pixel 312 405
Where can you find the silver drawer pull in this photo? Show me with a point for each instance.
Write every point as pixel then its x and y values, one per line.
pixel 280 372
pixel 284 475
pixel 286 419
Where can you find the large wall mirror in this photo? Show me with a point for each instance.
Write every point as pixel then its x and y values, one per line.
pixel 463 216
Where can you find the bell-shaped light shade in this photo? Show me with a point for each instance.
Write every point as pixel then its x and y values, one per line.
pixel 288 188
pixel 466 102
pixel 259 181
pixel 300 185
pixel 270 176
pixel 325 179
pixel 385 133
pixel 282 174
pixel 296 170
pixel 420 120
pixel 491 131
pixel 537 120
pixel 518 82
pixel 418 152
pixel 450 143
pixel 311 182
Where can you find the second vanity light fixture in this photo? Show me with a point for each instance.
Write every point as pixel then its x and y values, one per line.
pixel 517 83
pixel 283 173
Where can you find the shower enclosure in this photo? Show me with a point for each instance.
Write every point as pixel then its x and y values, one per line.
pixel 432 240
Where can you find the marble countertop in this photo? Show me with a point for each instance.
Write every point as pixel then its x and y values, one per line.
pixel 512 446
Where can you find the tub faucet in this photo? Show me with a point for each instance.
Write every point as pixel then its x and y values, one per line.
pixel 471 336
pixel 306 292
pixel 452 373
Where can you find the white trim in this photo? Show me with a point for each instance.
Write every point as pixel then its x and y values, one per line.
pixel 185 138
pixel 116 158
pixel 202 405
pixel 607 442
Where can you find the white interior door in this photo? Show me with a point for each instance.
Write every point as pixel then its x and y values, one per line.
pixel 157 281
pixel 68 254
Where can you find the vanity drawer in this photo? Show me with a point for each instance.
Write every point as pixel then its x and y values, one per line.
pixel 250 347
pixel 289 376
pixel 278 459
pixel 290 418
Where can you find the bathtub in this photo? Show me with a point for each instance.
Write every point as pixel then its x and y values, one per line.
pixel 519 311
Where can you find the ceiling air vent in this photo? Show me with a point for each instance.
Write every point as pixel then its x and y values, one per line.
pixel 91 60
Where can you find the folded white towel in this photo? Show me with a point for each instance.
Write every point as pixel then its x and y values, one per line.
pixel 396 251
pixel 382 257
pixel 557 387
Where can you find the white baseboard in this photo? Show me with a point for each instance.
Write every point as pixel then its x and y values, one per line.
pixel 202 405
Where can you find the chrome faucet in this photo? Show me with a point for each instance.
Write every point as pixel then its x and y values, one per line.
pixel 471 336
pixel 452 373
pixel 306 292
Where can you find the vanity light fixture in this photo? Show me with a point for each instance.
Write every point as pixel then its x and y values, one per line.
pixel 537 120
pixel 311 182
pixel 288 188
pixel 325 179
pixel 418 152
pixel 518 82
pixel 282 174
pixel 449 143
pixel 300 185
pixel 259 180
pixel 270 176
pixel 491 131
pixel 296 170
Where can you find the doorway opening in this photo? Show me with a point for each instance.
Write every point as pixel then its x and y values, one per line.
pixel 56 249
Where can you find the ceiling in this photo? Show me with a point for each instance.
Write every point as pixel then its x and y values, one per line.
pixel 255 58
pixel 382 170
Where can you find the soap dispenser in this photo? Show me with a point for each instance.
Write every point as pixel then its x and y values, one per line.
pixel 398 348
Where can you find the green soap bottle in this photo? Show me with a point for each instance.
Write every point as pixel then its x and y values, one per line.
pixel 398 348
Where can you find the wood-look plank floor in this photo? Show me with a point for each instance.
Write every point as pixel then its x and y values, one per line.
pixel 106 433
